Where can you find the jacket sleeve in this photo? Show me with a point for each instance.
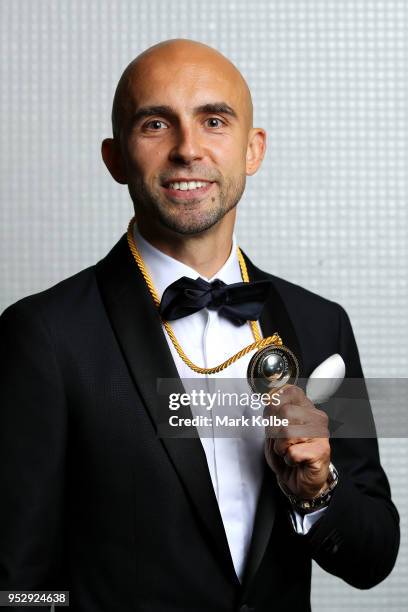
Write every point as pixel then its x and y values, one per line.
pixel 357 538
pixel 32 453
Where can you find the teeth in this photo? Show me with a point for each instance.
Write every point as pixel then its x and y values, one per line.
pixel 185 186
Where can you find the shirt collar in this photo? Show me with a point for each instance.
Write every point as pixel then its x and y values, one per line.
pixel 165 270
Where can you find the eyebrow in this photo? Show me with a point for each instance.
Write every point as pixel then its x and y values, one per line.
pixel 219 108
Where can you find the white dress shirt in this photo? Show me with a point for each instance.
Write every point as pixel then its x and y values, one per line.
pixel 235 463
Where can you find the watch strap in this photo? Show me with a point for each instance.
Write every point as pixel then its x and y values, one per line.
pixel 304 506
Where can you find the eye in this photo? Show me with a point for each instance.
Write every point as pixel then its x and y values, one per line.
pixel 214 122
pixel 155 125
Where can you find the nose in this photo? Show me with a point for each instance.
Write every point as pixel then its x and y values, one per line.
pixel 187 147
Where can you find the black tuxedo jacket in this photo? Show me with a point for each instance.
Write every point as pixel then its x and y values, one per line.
pixel 94 502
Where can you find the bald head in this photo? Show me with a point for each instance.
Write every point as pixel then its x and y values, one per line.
pixel 175 56
pixel 183 140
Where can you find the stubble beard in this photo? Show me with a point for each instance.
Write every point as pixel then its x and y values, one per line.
pixel 190 217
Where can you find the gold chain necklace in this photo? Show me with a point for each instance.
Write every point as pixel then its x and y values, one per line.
pixel 259 341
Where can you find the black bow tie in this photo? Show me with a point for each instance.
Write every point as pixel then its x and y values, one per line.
pixel 239 302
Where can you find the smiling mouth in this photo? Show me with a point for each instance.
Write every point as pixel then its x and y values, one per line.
pixel 187 190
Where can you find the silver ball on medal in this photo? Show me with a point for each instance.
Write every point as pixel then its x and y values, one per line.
pixel 271 368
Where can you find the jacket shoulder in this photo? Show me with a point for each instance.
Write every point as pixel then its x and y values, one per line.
pixel 316 318
pixel 63 298
pixel 297 294
pixel 318 322
pixel 290 292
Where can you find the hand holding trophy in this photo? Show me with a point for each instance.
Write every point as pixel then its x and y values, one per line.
pixel 298 454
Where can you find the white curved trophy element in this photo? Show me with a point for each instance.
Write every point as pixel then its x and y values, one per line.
pixel 326 379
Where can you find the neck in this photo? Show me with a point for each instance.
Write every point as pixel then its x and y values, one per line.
pixel 205 252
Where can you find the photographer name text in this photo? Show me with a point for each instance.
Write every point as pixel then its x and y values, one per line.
pixel 226 421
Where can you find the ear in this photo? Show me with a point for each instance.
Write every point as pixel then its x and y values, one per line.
pixel 113 159
pixel 255 150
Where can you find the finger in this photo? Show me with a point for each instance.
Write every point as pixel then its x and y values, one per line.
pixel 316 453
pixel 315 421
pixel 276 463
pixel 291 416
pixel 279 421
pixel 278 400
pixel 291 424
pixel 290 406
pixel 314 429
pixel 275 402
pixel 282 445
pixel 271 457
pixel 295 414
pixel 293 395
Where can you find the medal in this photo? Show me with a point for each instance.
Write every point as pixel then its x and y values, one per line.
pixel 272 367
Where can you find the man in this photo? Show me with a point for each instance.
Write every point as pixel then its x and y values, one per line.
pixel 97 502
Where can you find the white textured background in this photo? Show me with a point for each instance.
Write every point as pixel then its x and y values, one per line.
pixel 328 209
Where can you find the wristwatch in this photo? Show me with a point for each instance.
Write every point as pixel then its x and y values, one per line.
pixel 304 506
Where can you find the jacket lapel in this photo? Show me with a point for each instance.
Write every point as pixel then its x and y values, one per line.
pixel 138 330
pixel 274 318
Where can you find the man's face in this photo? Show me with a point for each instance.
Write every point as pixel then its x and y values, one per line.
pixel 184 144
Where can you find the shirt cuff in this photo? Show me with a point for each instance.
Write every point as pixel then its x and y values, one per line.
pixel 303 524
